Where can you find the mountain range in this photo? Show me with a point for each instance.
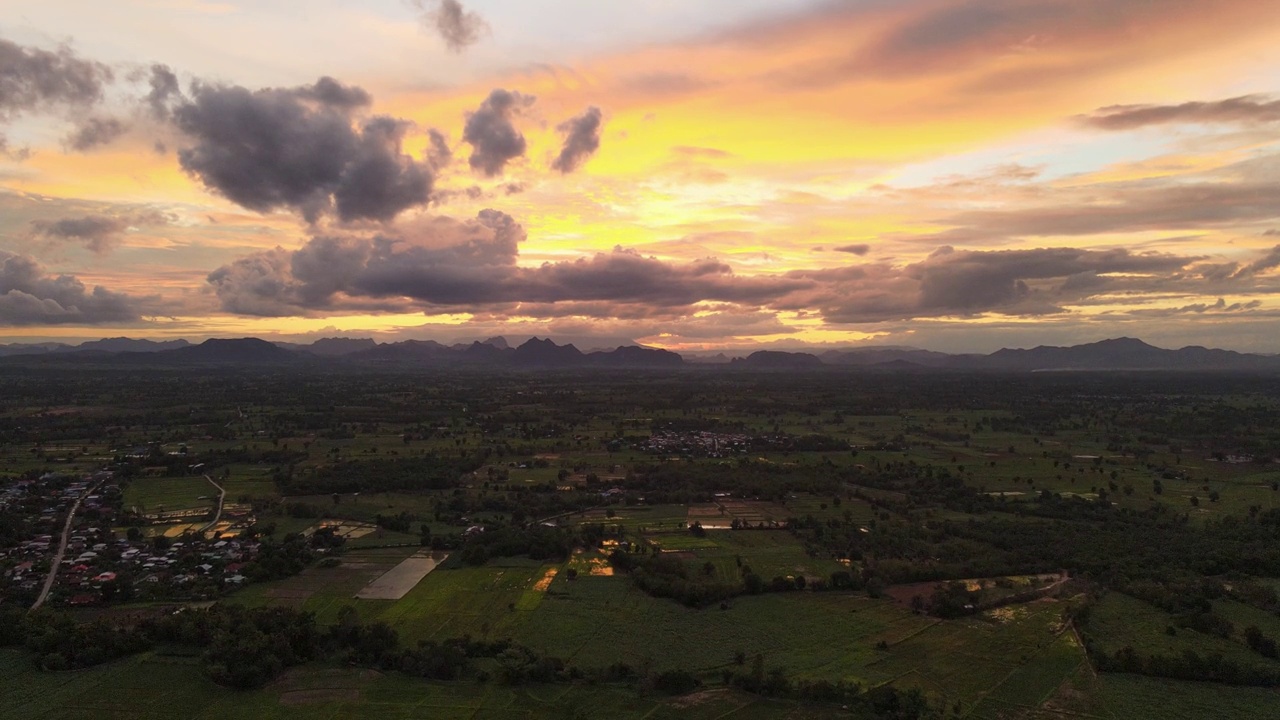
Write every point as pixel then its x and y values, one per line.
pixel 543 353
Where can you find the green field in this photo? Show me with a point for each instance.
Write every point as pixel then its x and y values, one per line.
pixel 156 687
pixel 151 494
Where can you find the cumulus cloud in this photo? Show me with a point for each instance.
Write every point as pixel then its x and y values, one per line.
pixel 299 148
pixel 457 26
pixel 99 233
pixel 29 296
pixel 1243 110
pixel 471 264
pixel 32 80
pixel 581 139
pixel 95 132
pixel 492 134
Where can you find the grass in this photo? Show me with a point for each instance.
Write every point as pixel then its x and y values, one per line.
pixel 1134 697
pixel 170 493
pixel 1118 620
pixel 152 687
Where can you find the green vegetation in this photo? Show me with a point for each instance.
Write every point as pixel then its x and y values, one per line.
pixel 1005 546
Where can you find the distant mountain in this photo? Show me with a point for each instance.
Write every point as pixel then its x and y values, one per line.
pixel 408 351
pixel 633 356
pixel 1124 354
pixel 31 349
pixel 126 345
pixel 242 350
pixel 337 347
pixel 546 354
pixel 884 356
pixel 775 360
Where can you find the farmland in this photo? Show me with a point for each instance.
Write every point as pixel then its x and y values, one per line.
pixel 1000 547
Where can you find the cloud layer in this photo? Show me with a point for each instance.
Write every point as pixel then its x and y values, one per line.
pixel 30 297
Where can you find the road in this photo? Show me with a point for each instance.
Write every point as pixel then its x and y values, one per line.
pixel 222 496
pixel 62 547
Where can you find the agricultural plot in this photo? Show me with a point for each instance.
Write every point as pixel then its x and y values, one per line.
pixel 594 621
pixel 1017 657
pixel 767 553
pixel 399 580
pixel 1134 697
pixel 1118 620
pixel 325 590
pixel 168 494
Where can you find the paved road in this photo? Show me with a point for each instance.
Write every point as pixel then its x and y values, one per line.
pixel 62 548
pixel 222 496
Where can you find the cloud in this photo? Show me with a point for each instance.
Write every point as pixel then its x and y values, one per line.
pixel 582 139
pixel 95 132
pixel 28 296
pixel 164 91
pixel 1268 261
pixel 471 265
pixel 298 148
pixel 1243 110
pixel 458 27
pixel 954 282
pixel 1125 207
pixel 439 155
pixel 99 233
pixel 859 249
pixel 33 80
pixel 490 130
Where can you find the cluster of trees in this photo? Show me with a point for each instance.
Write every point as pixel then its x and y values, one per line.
pixel 669 577
pixel 1190 665
pixel 539 542
pixel 883 702
pixel 57 642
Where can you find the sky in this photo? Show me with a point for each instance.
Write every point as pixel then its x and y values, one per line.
pixel 960 176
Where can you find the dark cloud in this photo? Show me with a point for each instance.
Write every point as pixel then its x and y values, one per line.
pixel 458 27
pixel 165 90
pixel 95 132
pixel 859 249
pixel 1268 261
pixel 99 233
pixel 581 139
pixel 32 80
pixel 331 93
pixel 1219 307
pixel 1243 110
pixel 965 282
pixel 380 181
pixel 493 136
pixel 298 148
pixel 451 264
pixel 28 296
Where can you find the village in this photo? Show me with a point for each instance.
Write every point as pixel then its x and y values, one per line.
pixel 93 558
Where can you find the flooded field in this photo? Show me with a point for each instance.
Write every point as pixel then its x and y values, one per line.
pixel 399 580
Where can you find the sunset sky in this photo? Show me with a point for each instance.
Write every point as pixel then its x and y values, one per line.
pixel 958 176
